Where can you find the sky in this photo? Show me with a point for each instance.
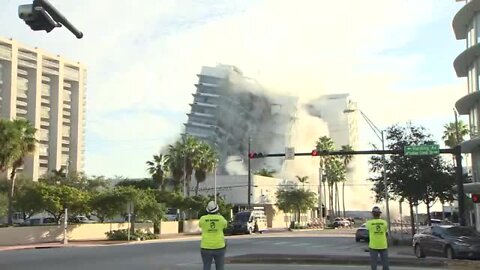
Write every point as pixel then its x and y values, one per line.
pixel 394 57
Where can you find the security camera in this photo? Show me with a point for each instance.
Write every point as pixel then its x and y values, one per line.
pixel 25 12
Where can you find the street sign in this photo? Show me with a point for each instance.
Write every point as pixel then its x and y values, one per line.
pixel 421 150
pixel 289 153
pixel 130 207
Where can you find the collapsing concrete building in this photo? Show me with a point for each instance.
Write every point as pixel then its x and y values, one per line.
pixel 228 108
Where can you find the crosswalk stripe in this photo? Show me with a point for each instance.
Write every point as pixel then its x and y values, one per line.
pixel 280 243
pixel 301 245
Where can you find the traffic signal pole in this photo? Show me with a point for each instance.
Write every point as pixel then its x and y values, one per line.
pixel 249 189
pixel 460 191
pixel 455 151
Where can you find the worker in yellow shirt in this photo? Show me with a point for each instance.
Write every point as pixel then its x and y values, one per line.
pixel 213 241
pixel 378 244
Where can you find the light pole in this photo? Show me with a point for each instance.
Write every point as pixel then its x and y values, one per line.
pixel 380 134
pixel 215 175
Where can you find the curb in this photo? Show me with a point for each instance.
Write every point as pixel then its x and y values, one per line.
pixel 305 230
pixel 348 260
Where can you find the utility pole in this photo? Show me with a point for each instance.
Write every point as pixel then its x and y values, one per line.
pixel 249 189
pixel 459 174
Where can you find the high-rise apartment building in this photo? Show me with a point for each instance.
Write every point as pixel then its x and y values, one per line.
pixel 466 25
pixel 48 91
pixel 227 109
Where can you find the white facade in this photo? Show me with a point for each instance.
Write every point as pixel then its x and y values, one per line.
pixel 466 25
pixel 48 91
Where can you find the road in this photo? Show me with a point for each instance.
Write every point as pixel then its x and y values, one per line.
pixel 182 254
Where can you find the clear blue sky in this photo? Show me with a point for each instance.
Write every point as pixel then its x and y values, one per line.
pixel 394 57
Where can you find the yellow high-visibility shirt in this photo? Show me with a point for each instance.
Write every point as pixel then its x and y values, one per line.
pixel 377 233
pixel 212 231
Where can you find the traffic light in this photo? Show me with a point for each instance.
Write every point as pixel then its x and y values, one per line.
pixel 476 198
pixel 36 17
pixel 252 155
pixel 315 153
pixel 41 15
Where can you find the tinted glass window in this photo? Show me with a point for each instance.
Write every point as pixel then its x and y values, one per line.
pixel 242 217
pixel 462 231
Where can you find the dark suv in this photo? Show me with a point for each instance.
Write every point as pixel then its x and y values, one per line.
pixel 447 241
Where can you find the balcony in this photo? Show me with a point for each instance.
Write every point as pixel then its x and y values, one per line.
pixel 50 64
pixel 27 64
pixel 464 17
pixel 50 71
pixel 472 145
pixel 465 59
pixel 27 55
pixel 201 104
pixel 464 104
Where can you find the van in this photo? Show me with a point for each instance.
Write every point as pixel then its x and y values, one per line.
pixel 40 221
pixel 172 214
pixel 250 221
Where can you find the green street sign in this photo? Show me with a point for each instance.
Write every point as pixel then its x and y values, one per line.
pixel 421 150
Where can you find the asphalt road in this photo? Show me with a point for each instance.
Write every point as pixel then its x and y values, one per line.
pixel 181 254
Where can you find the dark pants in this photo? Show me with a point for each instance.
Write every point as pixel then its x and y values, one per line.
pixel 213 254
pixel 374 257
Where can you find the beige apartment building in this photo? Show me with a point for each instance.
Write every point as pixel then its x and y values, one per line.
pixel 48 91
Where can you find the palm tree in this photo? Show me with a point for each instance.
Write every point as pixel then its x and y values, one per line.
pixel 324 143
pixel 175 164
pixel 17 140
pixel 156 170
pixel 204 162
pixel 179 160
pixel 302 180
pixel 450 133
pixel 346 160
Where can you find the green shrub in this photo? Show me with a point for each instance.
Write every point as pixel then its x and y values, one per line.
pixel 122 235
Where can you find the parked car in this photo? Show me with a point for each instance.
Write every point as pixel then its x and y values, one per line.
pixel 80 219
pixel 362 233
pixel 447 241
pixel 341 222
pixel 40 221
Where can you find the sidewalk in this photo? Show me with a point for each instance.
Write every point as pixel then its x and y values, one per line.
pixel 101 243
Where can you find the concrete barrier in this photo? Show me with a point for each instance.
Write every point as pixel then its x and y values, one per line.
pixel 191 227
pixel 168 227
pixel 44 234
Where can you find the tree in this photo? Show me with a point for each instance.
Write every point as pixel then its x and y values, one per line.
pixel 17 140
pixel 324 143
pixel 297 200
pixel 265 172
pixel 175 164
pixel 28 200
pixel 346 161
pixel 204 162
pixel 107 204
pixel 156 170
pixel 75 179
pixel 411 178
pixel 334 173
pixel 56 198
pixel 450 133
pixel 138 184
pixel 302 180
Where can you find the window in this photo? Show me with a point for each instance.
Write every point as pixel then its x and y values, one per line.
pixel 476 31
pixel 471 79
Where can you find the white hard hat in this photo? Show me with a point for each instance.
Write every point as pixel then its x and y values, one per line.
pixel 212 207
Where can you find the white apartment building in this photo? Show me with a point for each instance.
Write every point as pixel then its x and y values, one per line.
pixel 48 91
pixel 466 26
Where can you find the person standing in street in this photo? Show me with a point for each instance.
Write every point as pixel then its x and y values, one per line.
pixel 213 240
pixel 378 243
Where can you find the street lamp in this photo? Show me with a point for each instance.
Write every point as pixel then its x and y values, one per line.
pixel 380 134
pixel 215 174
